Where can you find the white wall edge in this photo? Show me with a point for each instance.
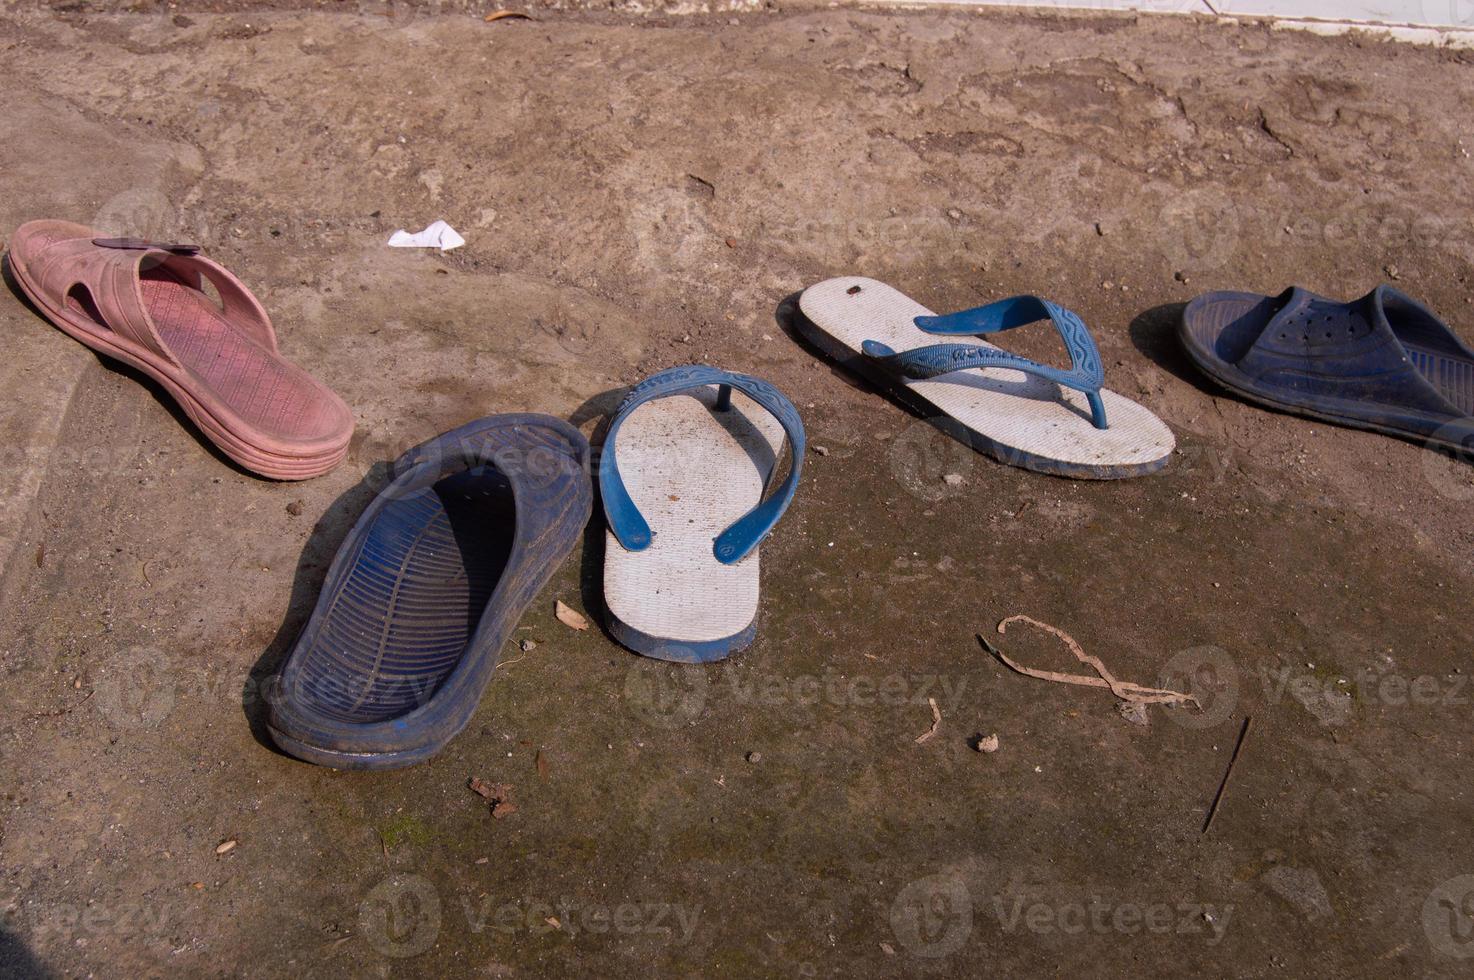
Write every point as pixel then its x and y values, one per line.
pixel 1441 37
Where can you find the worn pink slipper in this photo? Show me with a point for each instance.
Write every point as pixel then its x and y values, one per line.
pixel 145 304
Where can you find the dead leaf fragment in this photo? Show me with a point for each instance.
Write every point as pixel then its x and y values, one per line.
pixel 569 616
pixel 504 14
pixel 502 808
pixel 225 847
pixel 491 791
pixel 542 765
pixel 936 722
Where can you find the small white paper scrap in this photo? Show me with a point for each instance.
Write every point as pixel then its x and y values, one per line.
pixel 438 235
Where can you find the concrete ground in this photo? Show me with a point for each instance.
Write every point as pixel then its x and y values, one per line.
pixel 640 191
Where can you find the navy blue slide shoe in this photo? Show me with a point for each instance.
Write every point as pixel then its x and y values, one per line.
pixel 426 589
pixel 1383 362
pixel 682 473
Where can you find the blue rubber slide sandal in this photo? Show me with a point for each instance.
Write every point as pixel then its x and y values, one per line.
pixel 1383 362
pixel 1059 421
pixel 682 473
pixel 425 590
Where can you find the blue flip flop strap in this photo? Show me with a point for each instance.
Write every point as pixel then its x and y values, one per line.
pixel 1086 373
pixel 744 534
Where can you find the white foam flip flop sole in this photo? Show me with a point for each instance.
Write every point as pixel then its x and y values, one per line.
pixel 691 471
pixel 1019 418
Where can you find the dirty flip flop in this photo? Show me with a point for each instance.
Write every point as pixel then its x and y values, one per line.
pixel 144 303
pixel 1016 410
pixel 1384 362
pixel 426 589
pixel 684 465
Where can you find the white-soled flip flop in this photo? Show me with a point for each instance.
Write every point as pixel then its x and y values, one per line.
pixel 1014 409
pixel 682 473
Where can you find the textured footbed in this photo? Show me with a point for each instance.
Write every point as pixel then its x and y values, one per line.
pixel 1452 376
pixel 1020 413
pixel 265 390
pixel 691 471
pixel 416 591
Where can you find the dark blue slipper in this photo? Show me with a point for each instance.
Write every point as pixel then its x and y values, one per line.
pixel 426 589
pixel 1384 362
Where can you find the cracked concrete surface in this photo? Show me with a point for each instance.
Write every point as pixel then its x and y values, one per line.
pixel 643 191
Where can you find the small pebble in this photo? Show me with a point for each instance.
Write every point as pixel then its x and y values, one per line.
pixel 953 479
pixel 754 757
pixel 821 450
pixel 528 645
pixel 226 847
pixel 986 743
pixel 295 508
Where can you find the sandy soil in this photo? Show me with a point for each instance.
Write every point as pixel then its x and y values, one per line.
pixel 643 191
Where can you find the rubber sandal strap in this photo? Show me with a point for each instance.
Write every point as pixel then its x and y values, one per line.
pixel 111 270
pixel 186 263
pixel 745 533
pixel 1086 373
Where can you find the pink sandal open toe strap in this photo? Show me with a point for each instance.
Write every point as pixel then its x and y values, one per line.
pixel 144 303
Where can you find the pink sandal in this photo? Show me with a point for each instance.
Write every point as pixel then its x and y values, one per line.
pixel 144 303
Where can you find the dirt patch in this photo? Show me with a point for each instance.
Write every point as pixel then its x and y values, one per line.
pixel 639 192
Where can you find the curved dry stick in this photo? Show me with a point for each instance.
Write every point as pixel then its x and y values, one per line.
pixel 1126 691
